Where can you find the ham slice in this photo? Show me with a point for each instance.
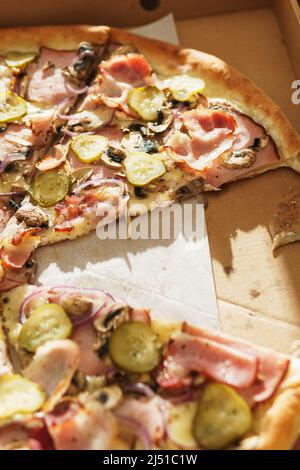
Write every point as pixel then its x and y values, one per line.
pixel 46 81
pixel 53 367
pixel 50 162
pixel 14 139
pixel 272 366
pixel 209 134
pixel 73 426
pixel 13 436
pixel 202 135
pixel 130 68
pixel 85 337
pixel 246 132
pixel 16 252
pixel 12 278
pixel 115 78
pixel 41 123
pixel 213 359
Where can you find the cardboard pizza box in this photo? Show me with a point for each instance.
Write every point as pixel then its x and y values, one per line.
pixel 258 290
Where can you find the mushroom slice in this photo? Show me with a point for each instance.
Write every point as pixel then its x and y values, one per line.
pixel 132 141
pixel 238 159
pixel 260 143
pixel 53 367
pixel 113 318
pixel 77 304
pixel 165 118
pixel 109 396
pixel 113 157
pixel 32 216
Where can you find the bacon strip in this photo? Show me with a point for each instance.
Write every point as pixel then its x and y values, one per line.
pixel 272 366
pixel 215 360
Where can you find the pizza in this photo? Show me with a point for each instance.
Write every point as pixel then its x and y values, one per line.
pixel 96 121
pixel 88 371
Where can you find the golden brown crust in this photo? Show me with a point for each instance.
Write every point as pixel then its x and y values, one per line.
pixel 285 238
pixel 280 425
pixel 56 37
pixel 222 81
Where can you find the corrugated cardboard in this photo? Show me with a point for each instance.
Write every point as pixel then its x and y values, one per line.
pixel 259 289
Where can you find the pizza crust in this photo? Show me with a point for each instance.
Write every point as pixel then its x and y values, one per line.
pixel 285 238
pixel 222 81
pixel 280 425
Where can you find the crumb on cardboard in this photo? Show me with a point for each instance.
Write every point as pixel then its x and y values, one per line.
pixel 254 293
pixel 287 214
pixel 228 270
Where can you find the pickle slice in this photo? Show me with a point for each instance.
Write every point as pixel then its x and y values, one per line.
pixel 46 323
pixel 50 187
pixel 19 59
pixel 222 417
pixel 12 107
pixel 184 87
pixel 141 168
pixel 134 347
pixel 89 148
pixel 146 102
pixel 19 395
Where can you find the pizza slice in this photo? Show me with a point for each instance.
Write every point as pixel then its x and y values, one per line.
pixel 99 374
pixel 157 123
pixel 39 84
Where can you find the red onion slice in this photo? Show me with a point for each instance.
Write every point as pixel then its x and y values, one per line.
pixel 57 293
pixel 185 397
pixel 9 158
pixel 137 429
pixel 76 91
pixel 25 306
pixel 99 181
pixel 140 388
pixel 12 193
